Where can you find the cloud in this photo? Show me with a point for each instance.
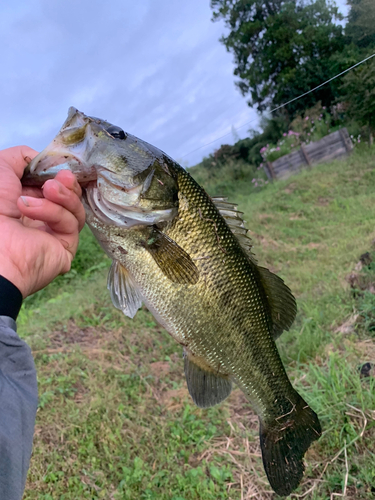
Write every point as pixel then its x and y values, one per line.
pixel 154 68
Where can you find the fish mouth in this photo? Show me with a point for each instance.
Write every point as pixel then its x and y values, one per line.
pixel 46 166
pixel 103 195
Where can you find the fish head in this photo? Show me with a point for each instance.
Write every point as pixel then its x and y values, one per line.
pixel 125 180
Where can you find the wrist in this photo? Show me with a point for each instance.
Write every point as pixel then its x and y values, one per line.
pixel 10 272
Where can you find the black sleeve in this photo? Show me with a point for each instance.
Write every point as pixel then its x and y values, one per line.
pixel 10 299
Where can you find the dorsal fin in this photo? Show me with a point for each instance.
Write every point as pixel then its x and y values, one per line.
pixel 233 218
pixel 282 302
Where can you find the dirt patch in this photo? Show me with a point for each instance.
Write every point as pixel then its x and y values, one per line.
pixel 174 399
pixel 266 242
pixel 323 202
pixel 72 334
pixel 312 246
pixel 297 217
pixel 348 326
pixel 266 216
pixel 291 188
pixel 159 368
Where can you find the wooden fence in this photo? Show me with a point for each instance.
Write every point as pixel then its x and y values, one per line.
pixel 335 145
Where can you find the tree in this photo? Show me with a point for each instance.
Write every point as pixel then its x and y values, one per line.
pixel 360 28
pixel 282 48
pixel 358 91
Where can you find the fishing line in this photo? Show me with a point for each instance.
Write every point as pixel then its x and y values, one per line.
pixel 285 104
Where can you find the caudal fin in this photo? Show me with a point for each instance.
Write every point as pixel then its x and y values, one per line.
pixel 284 442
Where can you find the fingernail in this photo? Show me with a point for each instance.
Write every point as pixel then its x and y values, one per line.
pixel 29 201
pixel 61 188
pixel 65 244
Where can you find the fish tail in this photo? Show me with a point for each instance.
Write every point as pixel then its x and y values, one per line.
pixel 284 442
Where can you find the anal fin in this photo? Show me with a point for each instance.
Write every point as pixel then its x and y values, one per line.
pixel 124 293
pixel 206 387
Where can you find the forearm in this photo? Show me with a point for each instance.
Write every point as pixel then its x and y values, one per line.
pixel 18 398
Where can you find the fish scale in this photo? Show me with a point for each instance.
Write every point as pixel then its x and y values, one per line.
pixel 188 258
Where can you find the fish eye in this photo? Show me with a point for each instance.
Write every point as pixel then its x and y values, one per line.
pixel 116 132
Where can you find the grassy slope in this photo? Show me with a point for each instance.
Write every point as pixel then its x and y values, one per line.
pixel 115 420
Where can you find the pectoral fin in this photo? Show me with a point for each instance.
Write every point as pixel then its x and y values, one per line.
pixel 124 293
pixel 175 263
pixel 205 387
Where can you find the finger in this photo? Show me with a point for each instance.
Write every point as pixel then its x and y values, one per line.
pixel 56 192
pixel 32 191
pixel 61 222
pixel 17 158
pixel 69 180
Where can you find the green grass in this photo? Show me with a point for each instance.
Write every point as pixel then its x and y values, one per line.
pixel 115 420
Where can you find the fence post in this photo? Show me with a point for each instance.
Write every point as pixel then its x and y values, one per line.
pixel 346 139
pixel 305 155
pixel 270 168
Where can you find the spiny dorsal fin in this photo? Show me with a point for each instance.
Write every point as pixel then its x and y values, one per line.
pixel 233 218
pixel 282 302
pixel 175 263
pixel 124 294
pixel 205 387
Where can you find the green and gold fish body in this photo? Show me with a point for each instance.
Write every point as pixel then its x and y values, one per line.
pixel 187 257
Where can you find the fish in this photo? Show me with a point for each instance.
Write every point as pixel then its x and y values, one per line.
pixel 188 258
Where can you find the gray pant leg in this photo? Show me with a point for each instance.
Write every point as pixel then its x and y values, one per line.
pixel 18 405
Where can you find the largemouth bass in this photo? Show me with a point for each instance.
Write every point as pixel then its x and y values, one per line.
pixel 187 257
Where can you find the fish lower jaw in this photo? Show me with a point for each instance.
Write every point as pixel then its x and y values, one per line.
pixel 122 216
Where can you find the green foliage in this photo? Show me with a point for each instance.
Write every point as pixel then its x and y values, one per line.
pixel 360 28
pixel 358 89
pixel 220 179
pixel 313 125
pixel 282 49
pixel 221 172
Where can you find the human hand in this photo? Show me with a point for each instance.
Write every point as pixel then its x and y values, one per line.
pixel 38 227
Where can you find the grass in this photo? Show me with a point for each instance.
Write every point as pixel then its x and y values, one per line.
pixel 115 420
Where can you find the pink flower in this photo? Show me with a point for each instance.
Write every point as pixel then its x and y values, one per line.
pixel 306 118
pixel 277 149
pixel 284 134
pixel 292 145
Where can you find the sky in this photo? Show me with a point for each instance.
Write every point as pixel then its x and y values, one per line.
pixel 154 67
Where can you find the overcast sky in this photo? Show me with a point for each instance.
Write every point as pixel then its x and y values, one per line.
pixel 153 67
